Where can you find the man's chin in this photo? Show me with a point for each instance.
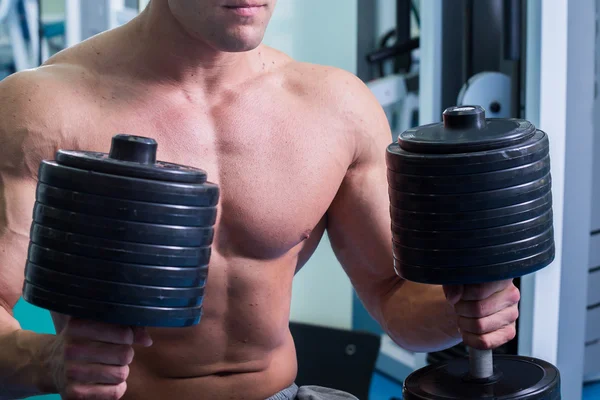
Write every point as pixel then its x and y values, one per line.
pixel 237 44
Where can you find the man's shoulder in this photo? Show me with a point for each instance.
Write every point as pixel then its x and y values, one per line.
pixel 325 79
pixel 48 88
pixel 347 103
pixel 38 99
pixel 341 94
pixel 34 107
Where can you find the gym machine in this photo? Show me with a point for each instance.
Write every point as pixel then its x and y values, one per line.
pixel 27 37
pixel 525 76
pixel 396 91
pixel 592 349
pixel 33 40
pixel 86 18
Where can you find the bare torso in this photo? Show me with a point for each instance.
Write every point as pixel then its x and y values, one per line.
pixel 278 151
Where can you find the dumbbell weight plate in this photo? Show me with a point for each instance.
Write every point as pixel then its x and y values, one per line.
pixel 445 139
pixel 113 250
pixel 95 289
pixel 482 219
pixel 138 274
pixel 159 170
pixel 113 313
pixel 510 233
pixel 476 274
pixel 520 378
pixel 125 187
pixel 443 184
pixel 108 228
pixel 474 256
pixel 534 149
pixel 471 201
pixel 127 210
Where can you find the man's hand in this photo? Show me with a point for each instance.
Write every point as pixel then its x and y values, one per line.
pixel 90 360
pixel 487 313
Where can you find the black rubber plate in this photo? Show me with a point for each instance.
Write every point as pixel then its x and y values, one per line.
pixel 471 201
pixel 473 238
pixel 95 289
pixel 127 210
pixel 137 274
pixel 527 152
pixel 477 274
pixel 160 170
pixel 520 378
pixel 472 220
pixel 124 187
pixel 436 138
pixel 108 228
pixel 442 184
pixel 474 256
pixel 113 313
pixel 113 250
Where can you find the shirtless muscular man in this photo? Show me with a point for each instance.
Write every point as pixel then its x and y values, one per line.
pixel 297 149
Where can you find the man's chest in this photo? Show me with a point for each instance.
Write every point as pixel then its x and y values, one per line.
pixel 277 174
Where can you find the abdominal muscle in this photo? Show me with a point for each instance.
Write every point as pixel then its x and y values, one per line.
pixel 241 349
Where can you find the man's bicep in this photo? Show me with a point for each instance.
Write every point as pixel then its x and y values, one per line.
pixel 17 196
pixel 17 193
pixel 359 223
pixel 359 217
pixel 21 122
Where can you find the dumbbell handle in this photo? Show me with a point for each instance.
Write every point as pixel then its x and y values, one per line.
pixel 481 363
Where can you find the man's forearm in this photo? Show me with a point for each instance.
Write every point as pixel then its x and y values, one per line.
pixel 419 318
pixel 24 357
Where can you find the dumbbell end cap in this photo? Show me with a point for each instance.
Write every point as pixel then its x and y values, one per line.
pixel 133 149
pixel 464 117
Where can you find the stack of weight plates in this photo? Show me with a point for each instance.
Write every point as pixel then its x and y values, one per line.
pixel 120 237
pixel 470 199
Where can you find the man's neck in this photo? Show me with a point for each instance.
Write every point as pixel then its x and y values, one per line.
pixel 170 54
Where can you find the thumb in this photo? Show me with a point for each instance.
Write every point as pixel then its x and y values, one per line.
pixel 453 293
pixel 141 336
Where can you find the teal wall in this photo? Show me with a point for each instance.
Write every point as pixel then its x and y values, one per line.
pixel 316 31
pixel 35 319
pixel 53 7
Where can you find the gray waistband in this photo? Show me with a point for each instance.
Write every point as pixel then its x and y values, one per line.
pixel 286 394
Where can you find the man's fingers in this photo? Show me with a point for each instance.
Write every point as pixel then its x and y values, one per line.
pixel 480 326
pixel 453 293
pixel 96 373
pixel 100 332
pixel 491 305
pixel 95 392
pixel 141 336
pixel 491 340
pixel 97 352
pixel 482 291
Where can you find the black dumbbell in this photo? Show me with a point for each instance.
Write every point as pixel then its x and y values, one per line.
pixel 471 203
pixel 120 237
